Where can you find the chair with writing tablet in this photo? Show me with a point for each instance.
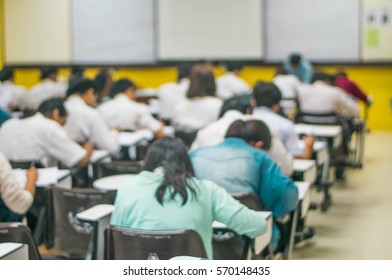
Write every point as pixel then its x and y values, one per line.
pixel 135 244
pixel 67 234
pixel 19 233
pixel 104 169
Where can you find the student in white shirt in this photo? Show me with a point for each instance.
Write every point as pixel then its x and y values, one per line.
pixel 48 88
pixel 15 200
pixel 201 107
pixel 266 103
pixel 237 108
pixel 231 84
pixel 84 123
pixel 11 95
pixel 169 94
pixel 41 138
pixel 124 113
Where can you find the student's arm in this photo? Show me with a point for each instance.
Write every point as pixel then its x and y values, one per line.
pixel 358 93
pixel 308 150
pixel 101 135
pixel 15 197
pixel 146 120
pixel 84 161
pixel 345 104
pixel 281 156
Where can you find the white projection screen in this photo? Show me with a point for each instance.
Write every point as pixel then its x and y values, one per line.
pixel 35 36
pixel 205 29
pixel 321 30
pixel 113 32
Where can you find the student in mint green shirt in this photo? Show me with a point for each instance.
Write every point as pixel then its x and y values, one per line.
pixel 166 195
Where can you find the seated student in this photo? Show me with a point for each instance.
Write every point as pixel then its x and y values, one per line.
pixel 234 109
pixel 48 88
pixel 4 116
pixel 84 123
pixel 266 100
pixel 231 84
pixel 350 87
pixel 15 200
pixel 124 113
pixel 169 94
pixel 11 95
pixel 200 107
pixel 41 138
pixel 299 66
pixel 239 165
pixel 77 73
pixel 166 195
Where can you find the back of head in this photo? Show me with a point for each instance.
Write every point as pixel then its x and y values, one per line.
pixel 239 103
pixel 48 72
pixel 341 73
pixel 202 81
pixel 6 74
pixel 121 86
pixel 232 66
pixel 295 58
pixel 77 71
pixel 170 155
pixel 266 94
pixel 46 108
pixel 322 76
pixel 184 70
pixel 250 131
pixel 81 87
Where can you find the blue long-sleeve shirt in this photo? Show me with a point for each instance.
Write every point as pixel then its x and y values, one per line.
pixel 304 72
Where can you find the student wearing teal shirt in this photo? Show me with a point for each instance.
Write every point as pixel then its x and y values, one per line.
pixel 167 196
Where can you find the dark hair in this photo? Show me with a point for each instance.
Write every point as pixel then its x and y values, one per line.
pixel 266 94
pixel 171 155
pixel 81 86
pixel 46 108
pixel 321 76
pixel 341 73
pixel 184 71
pixel 234 65
pixel 121 86
pixel 46 72
pixel 6 74
pixel 250 131
pixel 295 58
pixel 202 81
pixel 239 103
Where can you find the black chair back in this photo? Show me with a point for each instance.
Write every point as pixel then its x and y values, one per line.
pixel 104 169
pixel 134 244
pixel 19 233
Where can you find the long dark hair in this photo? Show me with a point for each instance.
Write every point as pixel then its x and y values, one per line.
pixel 171 155
pixel 202 81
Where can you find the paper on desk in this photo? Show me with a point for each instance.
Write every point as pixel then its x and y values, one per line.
pixel 317 146
pixel 98 155
pixel 132 138
pixel 46 176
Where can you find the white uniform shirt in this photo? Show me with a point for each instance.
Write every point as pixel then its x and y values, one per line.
pixel 169 95
pixel 85 124
pixel 281 127
pixel 45 90
pixel 288 85
pixel 214 133
pixel 320 97
pixel 11 95
pixel 230 85
pixel 14 196
pixel 38 138
pixel 192 114
pixel 124 113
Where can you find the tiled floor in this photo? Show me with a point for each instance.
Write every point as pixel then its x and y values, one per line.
pixel 358 225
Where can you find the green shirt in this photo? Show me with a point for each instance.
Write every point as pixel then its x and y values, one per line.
pixel 137 207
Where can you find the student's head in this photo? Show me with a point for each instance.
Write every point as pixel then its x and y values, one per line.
pixel 202 81
pixel 239 103
pixel 86 89
pixel 322 76
pixel 6 74
pixel 125 86
pixel 104 82
pixel 341 73
pixel 169 156
pixel 234 66
pixel 184 71
pixel 49 72
pixel 266 94
pixel 54 109
pixel 254 132
pixel 77 71
pixel 295 60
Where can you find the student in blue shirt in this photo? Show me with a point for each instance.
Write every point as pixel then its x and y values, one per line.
pixel 299 66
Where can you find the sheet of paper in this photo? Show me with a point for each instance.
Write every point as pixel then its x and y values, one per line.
pixel 46 176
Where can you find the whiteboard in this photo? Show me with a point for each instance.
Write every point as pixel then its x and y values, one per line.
pixel 37 32
pixel 320 30
pixel 113 32
pixel 205 29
